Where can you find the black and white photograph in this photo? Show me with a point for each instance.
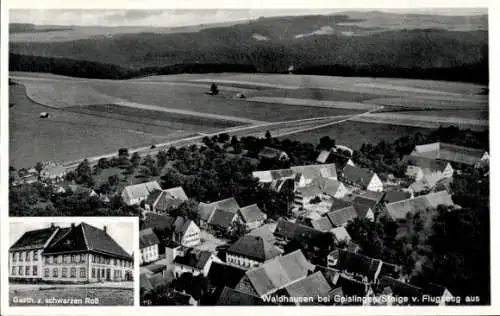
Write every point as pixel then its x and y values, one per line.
pixel 71 262
pixel 272 157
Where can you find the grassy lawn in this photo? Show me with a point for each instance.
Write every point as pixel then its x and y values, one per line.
pixel 81 296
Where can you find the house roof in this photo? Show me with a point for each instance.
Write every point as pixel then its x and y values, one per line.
pixel 399 210
pixel 222 218
pixel 419 186
pixel 396 195
pixel 323 156
pixel 231 296
pixel 85 237
pixel 268 152
pixel 341 216
pixel 206 209
pixel 34 239
pixel 141 190
pixel 449 152
pixel 270 175
pixel 351 286
pixel 153 196
pixel 264 232
pixel 147 238
pixel 315 171
pixel 320 186
pixel 338 204
pixel 362 205
pixel 323 224
pixel 194 258
pixel 314 285
pixel 279 272
pixel 221 274
pixel 340 233
pixel 167 199
pixel 144 282
pixel 157 280
pixel 356 263
pixel 255 248
pixel 358 175
pixel 252 213
pixel 182 225
pixel 429 164
pixel 291 230
pixel 158 222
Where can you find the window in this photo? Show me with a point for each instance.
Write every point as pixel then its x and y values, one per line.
pixel 59 259
pixel 15 256
pixel 14 270
pixel 37 253
pixel 64 272
pixel 112 262
pixel 72 258
pixel 73 272
pixel 30 255
pixel 54 272
pixel 51 259
pixel 47 272
pixel 77 258
pixel 46 260
pixel 93 273
pixel 21 270
pixel 22 256
pixel 82 273
pixel 67 258
pixel 35 270
pixel 27 270
pixel 103 273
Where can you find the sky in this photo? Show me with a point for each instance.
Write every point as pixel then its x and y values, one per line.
pixel 121 231
pixel 183 17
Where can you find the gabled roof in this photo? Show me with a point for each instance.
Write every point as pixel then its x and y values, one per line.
pixel 182 225
pixel 323 224
pixel 320 186
pixel 153 196
pixel 147 238
pixel 194 258
pixel 34 239
pixel 358 175
pixel 399 210
pixel 158 222
pixel 425 163
pixel 340 233
pixel 314 285
pixel 315 171
pixel 449 152
pixel 222 218
pixel 234 297
pixel 85 237
pixel 362 205
pixel 268 152
pixel 291 230
pixel 252 213
pixel 141 190
pixel 221 274
pixel 264 232
pixel 338 204
pixel 254 248
pixel 167 199
pixel 342 216
pixel 206 209
pixel 396 195
pixel 279 272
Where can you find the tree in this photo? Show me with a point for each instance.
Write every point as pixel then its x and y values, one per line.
pixel 135 159
pixel 223 137
pixel 326 143
pixel 123 152
pixel 38 167
pixel 84 174
pixel 214 90
pixel 114 180
pixel 268 135
pixel 103 163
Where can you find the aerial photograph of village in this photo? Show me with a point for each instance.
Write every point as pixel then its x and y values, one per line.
pixel 333 157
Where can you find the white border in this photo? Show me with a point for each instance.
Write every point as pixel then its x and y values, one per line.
pixel 494 19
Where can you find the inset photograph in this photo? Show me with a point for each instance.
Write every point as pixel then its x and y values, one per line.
pixel 71 261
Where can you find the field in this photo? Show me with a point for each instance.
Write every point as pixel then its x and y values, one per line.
pixel 104 296
pixel 158 109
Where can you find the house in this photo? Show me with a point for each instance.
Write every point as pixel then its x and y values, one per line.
pixel 222 221
pixel 332 156
pixel 286 231
pixel 272 153
pixel 427 170
pixel 80 253
pixel 321 188
pixel 342 216
pixel 275 274
pixel 250 252
pixel 148 243
pixel 341 234
pixel 306 174
pixel 396 196
pixel 135 194
pixel 311 290
pixel 78 189
pixel 354 264
pixel 194 261
pixel 251 216
pixel 275 179
pixel 186 232
pixel 161 201
pixel 223 275
pixel 232 297
pixel 265 232
pixel 364 207
pixel 399 210
pixel 159 223
pixel 359 177
pixel 458 155
pixel 207 210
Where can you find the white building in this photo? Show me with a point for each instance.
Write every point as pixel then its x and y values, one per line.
pixel 148 243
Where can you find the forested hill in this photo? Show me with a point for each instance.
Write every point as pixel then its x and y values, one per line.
pixel 262 46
